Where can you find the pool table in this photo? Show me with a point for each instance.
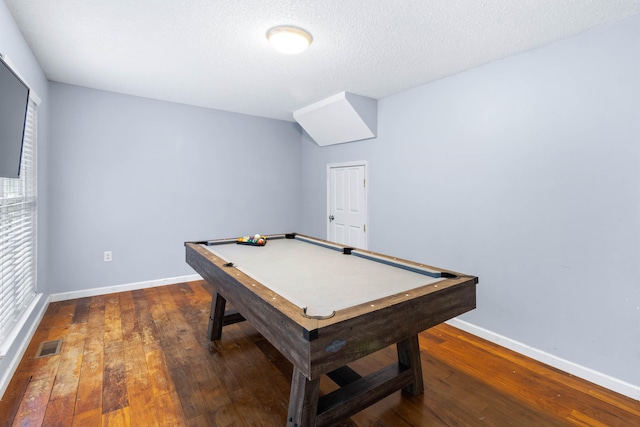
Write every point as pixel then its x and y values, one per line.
pixel 324 305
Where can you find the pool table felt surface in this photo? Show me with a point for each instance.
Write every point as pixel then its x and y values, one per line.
pixel 319 279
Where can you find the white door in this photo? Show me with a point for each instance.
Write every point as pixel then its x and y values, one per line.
pixel 347 204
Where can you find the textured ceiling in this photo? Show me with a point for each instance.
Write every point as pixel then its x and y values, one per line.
pixel 214 53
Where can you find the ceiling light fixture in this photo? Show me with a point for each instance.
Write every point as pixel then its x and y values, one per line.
pixel 289 40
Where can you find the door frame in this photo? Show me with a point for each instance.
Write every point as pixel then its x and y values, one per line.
pixel 330 166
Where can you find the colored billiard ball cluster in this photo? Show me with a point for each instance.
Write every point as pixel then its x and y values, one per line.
pixel 254 240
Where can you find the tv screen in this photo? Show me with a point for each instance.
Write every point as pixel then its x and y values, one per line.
pixel 14 100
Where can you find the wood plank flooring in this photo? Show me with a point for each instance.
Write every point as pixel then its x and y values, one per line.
pixel 141 358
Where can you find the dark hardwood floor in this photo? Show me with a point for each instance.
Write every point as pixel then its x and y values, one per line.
pixel 141 358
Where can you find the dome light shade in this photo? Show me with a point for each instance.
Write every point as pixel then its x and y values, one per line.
pixel 289 40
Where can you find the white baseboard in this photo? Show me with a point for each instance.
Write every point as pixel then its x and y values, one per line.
pixel 611 383
pixel 63 296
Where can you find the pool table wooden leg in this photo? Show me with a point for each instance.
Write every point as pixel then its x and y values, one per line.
pixel 409 355
pixel 303 400
pixel 216 316
pixel 219 317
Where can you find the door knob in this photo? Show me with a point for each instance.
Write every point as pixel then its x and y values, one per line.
pixel 331 217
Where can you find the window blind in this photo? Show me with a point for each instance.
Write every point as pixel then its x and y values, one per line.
pixel 18 234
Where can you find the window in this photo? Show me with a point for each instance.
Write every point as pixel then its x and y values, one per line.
pixel 18 234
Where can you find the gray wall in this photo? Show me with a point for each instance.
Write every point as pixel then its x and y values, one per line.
pixel 525 172
pixel 140 177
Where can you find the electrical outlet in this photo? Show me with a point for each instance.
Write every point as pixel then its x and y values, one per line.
pixel 107 256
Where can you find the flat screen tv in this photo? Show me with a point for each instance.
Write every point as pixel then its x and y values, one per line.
pixel 14 101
